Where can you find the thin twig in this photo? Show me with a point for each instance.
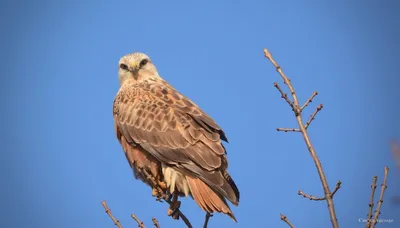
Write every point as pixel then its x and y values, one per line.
pixel 288 129
pixel 286 220
pixel 108 211
pixel 309 100
pixel 297 111
pixel 155 222
pixel 312 117
pixel 311 197
pixel 378 208
pixel 337 187
pixel 283 95
pixel 140 223
pixel 371 201
pixel 208 216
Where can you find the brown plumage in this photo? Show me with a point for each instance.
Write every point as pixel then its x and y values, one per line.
pixel 170 137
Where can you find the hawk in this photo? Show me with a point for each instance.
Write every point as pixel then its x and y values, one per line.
pixel 170 143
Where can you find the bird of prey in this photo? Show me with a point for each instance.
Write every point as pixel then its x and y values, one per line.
pixel 169 142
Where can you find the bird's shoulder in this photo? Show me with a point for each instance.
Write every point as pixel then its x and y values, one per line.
pixel 155 92
pixel 157 100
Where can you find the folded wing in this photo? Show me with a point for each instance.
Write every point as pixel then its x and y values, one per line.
pixel 176 132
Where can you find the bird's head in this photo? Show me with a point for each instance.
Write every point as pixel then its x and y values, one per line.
pixel 137 66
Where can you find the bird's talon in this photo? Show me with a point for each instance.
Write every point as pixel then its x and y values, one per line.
pixel 169 197
pixel 154 192
pixel 174 208
pixel 162 185
pixel 175 215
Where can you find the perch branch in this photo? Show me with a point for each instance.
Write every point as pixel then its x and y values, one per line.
pixel 140 223
pixel 309 100
pixel 155 222
pixel 283 95
pixel 378 208
pixel 208 216
pixel 312 117
pixel 286 220
pixel 166 198
pixel 297 111
pixel 181 215
pixel 288 129
pixel 311 197
pixel 108 212
pixel 371 201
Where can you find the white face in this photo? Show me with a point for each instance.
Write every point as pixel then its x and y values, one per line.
pixel 136 66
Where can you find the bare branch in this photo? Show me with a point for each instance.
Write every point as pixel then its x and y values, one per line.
pixel 309 100
pixel 338 184
pixel 311 197
pixel 371 201
pixel 140 223
pixel 286 80
pixel 286 220
pixel 297 111
pixel 378 208
pixel 283 95
pixel 312 117
pixel 108 212
pixel 208 216
pixel 288 129
pixel 155 222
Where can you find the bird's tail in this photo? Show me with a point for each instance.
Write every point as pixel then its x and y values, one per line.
pixel 207 199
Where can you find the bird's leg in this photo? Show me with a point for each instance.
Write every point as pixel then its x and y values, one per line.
pixel 161 184
pixel 169 196
pixel 158 193
pixel 159 189
pixel 156 190
pixel 174 206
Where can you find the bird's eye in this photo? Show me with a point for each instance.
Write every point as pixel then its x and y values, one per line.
pixel 123 66
pixel 144 62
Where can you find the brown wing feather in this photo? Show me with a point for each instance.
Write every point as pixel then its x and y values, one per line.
pixel 138 158
pixel 207 199
pixel 175 131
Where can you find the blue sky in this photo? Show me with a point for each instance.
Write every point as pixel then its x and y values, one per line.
pixel 59 66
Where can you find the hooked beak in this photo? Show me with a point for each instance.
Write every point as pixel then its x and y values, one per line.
pixel 134 68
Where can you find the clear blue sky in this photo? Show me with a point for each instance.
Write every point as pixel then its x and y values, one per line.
pixel 60 157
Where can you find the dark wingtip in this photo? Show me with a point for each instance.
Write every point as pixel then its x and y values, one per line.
pixel 222 136
pixel 234 188
pixel 232 216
